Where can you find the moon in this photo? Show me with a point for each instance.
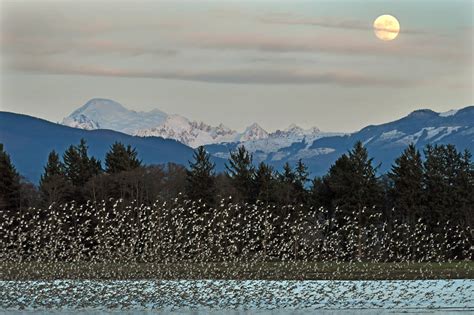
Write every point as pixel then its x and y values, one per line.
pixel 386 27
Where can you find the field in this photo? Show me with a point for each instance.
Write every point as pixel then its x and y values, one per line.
pixel 291 270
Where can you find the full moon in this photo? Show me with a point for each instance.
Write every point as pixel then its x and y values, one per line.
pixel 386 27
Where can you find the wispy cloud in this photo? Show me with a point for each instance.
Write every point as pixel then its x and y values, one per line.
pixel 326 44
pixel 41 46
pixel 326 22
pixel 229 76
pixel 322 22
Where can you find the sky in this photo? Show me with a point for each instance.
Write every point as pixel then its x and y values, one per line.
pixel 313 63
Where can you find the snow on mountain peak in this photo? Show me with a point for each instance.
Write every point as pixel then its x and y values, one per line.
pixel 81 121
pixel 100 113
pixel 107 114
pixel 293 128
pixel 253 132
pixel 191 133
pixel 297 130
pixel 99 105
pixel 313 130
pixel 451 112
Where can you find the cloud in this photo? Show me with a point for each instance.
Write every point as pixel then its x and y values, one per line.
pixel 434 48
pixel 40 46
pixel 63 28
pixel 229 76
pixel 322 22
pixel 326 22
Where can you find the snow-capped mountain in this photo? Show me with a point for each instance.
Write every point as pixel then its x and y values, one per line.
pixel 191 133
pixel 99 113
pixel 276 142
pixel 253 132
pixel 29 139
pixel 108 114
pixel 384 142
pixel 317 149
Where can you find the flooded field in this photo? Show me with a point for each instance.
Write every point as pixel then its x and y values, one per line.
pixel 237 297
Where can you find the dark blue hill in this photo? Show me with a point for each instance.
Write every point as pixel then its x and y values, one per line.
pixel 384 142
pixel 29 140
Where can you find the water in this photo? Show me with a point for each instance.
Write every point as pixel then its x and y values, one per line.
pixel 233 297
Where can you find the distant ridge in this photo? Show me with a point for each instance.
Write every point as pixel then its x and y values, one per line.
pixel 100 113
pixel 29 140
pixel 384 142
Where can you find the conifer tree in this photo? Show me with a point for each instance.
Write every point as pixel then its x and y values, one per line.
pixel 241 171
pixel 9 182
pixel 341 182
pixel 288 176
pixel 301 179
pixel 286 185
pixel 121 158
pixel 265 183
pixel 448 185
pixel 200 179
pixel 436 185
pixel 320 194
pixel 355 189
pixel 464 189
pixel 79 167
pixel 53 185
pixel 407 190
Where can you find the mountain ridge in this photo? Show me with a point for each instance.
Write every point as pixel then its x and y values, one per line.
pixel 29 140
pixel 93 115
pixel 384 141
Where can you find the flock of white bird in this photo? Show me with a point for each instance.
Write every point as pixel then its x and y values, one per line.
pixel 182 230
pixel 240 244
pixel 206 295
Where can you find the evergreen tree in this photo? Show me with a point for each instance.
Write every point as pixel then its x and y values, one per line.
pixel 436 185
pixel 241 171
pixel 341 182
pixel 407 190
pixel 53 167
pixel 265 183
pixel 72 165
pixel 200 179
pixel 90 166
pixel 320 193
pixel 78 166
pixel 288 176
pixel 286 185
pixel 448 185
pixel 464 189
pixel 353 184
pixel 53 185
pixel 449 189
pixel 9 183
pixel 121 158
pixel 301 179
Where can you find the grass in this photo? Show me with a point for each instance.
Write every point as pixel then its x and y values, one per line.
pixel 291 270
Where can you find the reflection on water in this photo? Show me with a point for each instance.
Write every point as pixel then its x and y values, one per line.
pixel 232 297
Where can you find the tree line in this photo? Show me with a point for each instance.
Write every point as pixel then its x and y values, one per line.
pixel 435 189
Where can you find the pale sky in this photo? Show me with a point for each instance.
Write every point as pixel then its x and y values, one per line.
pixel 313 63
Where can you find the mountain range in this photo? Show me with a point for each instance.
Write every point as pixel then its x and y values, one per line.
pixel 107 114
pixel 29 140
pixel 384 142
pixel 160 137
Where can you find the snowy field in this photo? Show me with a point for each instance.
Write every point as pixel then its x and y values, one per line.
pixel 234 297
